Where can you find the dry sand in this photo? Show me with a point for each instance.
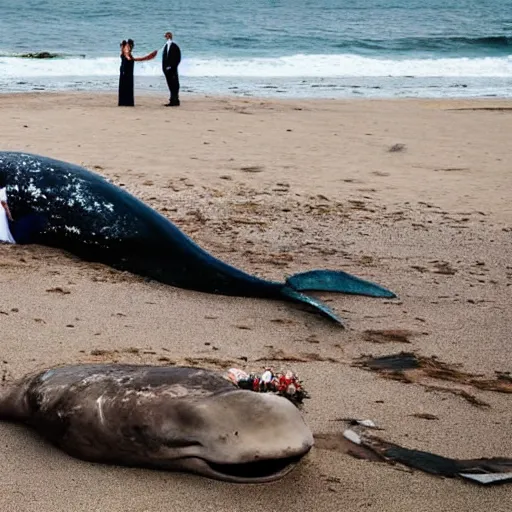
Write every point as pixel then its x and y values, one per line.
pixel 277 187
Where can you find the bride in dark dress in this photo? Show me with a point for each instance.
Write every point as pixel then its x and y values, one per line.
pixel 126 98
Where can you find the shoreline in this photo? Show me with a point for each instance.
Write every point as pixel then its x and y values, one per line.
pixel 194 97
pixel 296 87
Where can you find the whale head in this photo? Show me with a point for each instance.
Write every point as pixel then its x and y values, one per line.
pixel 236 436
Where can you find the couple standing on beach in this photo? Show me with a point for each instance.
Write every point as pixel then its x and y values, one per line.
pixel 171 58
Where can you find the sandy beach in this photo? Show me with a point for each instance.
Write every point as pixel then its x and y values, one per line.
pixel 415 195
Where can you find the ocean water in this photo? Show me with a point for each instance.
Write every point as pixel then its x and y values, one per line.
pixel 280 48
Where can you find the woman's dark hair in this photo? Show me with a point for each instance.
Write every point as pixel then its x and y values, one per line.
pixel 131 42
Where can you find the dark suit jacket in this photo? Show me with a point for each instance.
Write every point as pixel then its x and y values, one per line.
pixel 171 58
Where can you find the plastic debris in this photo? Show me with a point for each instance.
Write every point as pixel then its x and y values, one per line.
pixel 488 478
pixel 482 471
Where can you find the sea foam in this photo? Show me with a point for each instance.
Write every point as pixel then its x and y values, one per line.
pixel 300 65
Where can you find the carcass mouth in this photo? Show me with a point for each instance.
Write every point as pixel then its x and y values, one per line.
pixel 258 471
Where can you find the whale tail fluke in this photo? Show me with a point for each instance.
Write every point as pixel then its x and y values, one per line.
pixel 318 305
pixel 329 281
pixel 336 281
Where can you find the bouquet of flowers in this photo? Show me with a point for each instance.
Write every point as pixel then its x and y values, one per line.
pixel 286 384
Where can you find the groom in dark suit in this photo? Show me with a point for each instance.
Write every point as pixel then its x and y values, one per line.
pixel 171 58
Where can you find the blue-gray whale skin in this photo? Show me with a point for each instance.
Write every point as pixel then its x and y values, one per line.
pixel 62 205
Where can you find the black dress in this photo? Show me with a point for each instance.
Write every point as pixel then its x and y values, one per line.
pixel 126 83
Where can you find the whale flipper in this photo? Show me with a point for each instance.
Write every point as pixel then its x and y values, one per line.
pixel 317 304
pixel 336 281
pixel 27 229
